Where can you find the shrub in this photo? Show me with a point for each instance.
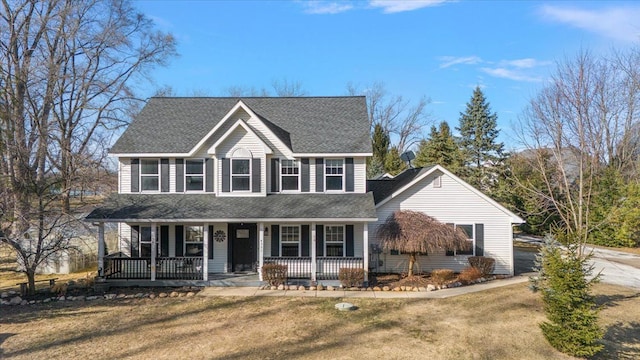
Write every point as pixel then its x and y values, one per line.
pixel 441 276
pixel 564 279
pixel 351 277
pixel 486 265
pixel 274 274
pixel 470 274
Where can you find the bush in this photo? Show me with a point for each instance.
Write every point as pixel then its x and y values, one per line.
pixel 486 265
pixel 351 277
pixel 564 279
pixel 470 274
pixel 274 274
pixel 441 276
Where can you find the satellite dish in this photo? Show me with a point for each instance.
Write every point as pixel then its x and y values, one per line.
pixel 407 156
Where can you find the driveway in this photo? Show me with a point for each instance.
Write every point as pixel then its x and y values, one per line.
pixel 615 267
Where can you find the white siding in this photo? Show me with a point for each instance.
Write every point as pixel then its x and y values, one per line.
pixel 360 174
pixel 172 175
pixel 312 175
pixel 124 236
pixel 219 262
pixel 240 138
pixel 125 175
pixel 202 151
pixel 270 139
pixel 451 203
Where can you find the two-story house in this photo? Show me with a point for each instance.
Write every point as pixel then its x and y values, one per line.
pixel 221 185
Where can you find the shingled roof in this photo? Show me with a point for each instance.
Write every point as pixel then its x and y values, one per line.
pixel 201 207
pixel 383 188
pixel 305 124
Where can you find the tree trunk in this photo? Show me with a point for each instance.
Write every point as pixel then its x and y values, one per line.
pixel 31 279
pixel 412 261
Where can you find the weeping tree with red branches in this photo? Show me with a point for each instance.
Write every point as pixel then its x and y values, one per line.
pixel 413 232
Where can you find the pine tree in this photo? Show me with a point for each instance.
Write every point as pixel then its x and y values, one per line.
pixel 393 164
pixel 441 148
pixel 479 132
pixel 380 144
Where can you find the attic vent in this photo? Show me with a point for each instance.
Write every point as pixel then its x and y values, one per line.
pixel 437 181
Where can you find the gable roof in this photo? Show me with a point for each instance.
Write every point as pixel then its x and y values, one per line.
pixel 386 189
pixel 307 125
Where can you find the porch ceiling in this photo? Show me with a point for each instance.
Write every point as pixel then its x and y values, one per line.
pixel 208 207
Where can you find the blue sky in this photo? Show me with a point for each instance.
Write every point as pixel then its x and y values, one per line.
pixel 437 49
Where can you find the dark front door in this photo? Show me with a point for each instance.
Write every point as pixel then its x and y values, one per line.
pixel 244 247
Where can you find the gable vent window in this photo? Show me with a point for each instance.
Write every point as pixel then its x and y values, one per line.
pixel 290 173
pixel 437 182
pixel 334 174
pixel 240 175
pixel 194 175
pixel 149 175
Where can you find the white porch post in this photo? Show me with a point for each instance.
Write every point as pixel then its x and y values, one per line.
pixel 365 250
pixel 260 249
pixel 205 252
pixel 154 250
pixel 101 249
pixel 314 264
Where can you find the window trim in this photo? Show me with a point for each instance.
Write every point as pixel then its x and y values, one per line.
pixel 473 239
pixel 231 175
pixel 344 239
pixel 150 242
pixel 437 182
pixel 343 175
pixel 299 242
pixel 298 165
pixel 186 241
pixel 203 174
pixel 157 175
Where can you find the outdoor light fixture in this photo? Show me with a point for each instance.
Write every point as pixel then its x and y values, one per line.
pixel 266 231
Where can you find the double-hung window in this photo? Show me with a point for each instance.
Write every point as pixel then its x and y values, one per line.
pixel 149 175
pixel 468 230
pixel 334 174
pixel 290 174
pixel 194 175
pixel 240 175
pixel 334 240
pixel 146 241
pixel 290 240
pixel 193 244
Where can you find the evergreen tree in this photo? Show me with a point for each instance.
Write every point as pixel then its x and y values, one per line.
pixel 380 144
pixel 441 148
pixel 393 164
pixel 479 132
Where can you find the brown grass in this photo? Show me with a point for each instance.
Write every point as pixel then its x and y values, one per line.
pixel 496 324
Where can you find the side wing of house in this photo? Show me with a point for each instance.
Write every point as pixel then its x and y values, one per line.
pixel 448 199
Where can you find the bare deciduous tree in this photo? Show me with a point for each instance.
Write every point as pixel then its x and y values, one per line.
pixel 65 79
pixel 395 114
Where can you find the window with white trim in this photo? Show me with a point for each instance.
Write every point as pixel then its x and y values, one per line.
pixel 193 240
pixel 146 241
pixel 469 230
pixel 149 175
pixel 289 175
pixel 334 174
pixel 290 240
pixel 240 175
pixel 334 240
pixel 194 175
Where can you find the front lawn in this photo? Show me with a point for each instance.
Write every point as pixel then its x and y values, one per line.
pixel 495 324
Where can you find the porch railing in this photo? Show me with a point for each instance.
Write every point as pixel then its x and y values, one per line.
pixel 167 268
pixel 327 268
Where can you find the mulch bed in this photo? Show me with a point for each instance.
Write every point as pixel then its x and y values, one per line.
pixel 398 280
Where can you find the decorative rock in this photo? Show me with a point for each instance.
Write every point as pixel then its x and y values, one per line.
pixel 12 293
pixel 312 288
pixel 281 287
pixel 421 288
pixel 345 306
pixel 80 298
pixel 130 296
pixel 274 287
pixel 24 302
pixel 354 288
pixel 32 302
pixel 431 287
pixel 377 288
pixel 397 288
pixel 110 296
pixel 139 295
pixel 15 300
pixel 301 288
pixel 91 298
pixel 415 288
pixel 4 295
pixel 173 294
pixel 386 288
pixel 4 302
pixel 190 294
pixel 320 287
pixel 46 300
pixel 181 294
pixel 121 296
pixel 61 298
pixel 444 287
pixel 365 289
pixel 163 295
pixel 152 296
pixel 330 288
pixel 403 288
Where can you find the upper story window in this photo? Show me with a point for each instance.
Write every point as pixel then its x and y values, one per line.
pixel 334 240
pixel 240 175
pixel 334 174
pixel 194 175
pixel 290 174
pixel 149 175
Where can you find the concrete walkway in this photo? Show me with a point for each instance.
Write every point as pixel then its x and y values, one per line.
pixel 438 294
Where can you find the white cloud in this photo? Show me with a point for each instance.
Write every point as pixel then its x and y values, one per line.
pixel 452 60
pixel 323 7
pixel 620 23
pixel 526 63
pixel 396 6
pixel 511 74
